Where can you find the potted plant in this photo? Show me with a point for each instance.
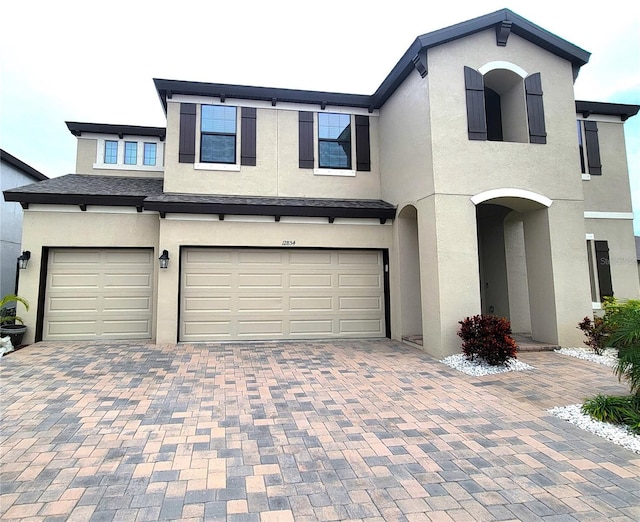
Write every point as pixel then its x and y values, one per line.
pixel 9 320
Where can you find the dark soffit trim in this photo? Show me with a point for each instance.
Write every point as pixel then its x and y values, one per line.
pixel 625 111
pixel 77 128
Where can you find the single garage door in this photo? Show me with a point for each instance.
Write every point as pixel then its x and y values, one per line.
pixel 98 294
pixel 258 294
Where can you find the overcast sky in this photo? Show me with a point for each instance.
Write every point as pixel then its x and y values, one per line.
pixel 94 61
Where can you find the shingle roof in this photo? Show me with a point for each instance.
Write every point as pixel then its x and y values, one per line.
pixel 146 194
pixel 77 128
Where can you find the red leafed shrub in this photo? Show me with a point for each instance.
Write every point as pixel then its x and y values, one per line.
pixel 487 337
pixel 597 333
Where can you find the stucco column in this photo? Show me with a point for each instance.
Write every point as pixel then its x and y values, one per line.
pixel 449 271
pixel 168 286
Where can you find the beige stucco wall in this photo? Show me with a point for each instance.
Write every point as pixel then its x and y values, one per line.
pixel 69 227
pixel 463 166
pixel 405 143
pixel 622 254
pixel 610 192
pixel 208 231
pixel 276 172
pixel 85 155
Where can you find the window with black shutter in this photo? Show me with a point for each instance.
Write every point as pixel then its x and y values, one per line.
pixel 305 140
pixel 535 109
pixel 593 147
pixel 363 146
pixel 476 118
pixel 248 136
pixel 187 141
pixel 603 269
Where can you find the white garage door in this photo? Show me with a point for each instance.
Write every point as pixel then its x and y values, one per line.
pixel 98 294
pixel 281 294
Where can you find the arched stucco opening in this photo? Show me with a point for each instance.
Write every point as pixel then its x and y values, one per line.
pixel 409 269
pixel 514 253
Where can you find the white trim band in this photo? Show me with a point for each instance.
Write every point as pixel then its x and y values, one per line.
pixel 510 193
pixel 608 215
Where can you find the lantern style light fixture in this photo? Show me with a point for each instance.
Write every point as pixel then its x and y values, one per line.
pixel 164 259
pixel 23 260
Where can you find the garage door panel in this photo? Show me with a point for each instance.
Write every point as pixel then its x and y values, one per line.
pixel 311 327
pixel 73 304
pixel 99 294
pixel 252 280
pixel 284 293
pixel 310 280
pixel 306 304
pixel 370 303
pixel 69 281
pixel 360 280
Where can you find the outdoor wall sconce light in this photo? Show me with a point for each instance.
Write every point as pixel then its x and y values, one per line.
pixel 23 260
pixel 164 259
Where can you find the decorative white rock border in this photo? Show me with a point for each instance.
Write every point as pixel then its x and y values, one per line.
pixel 478 368
pixel 608 358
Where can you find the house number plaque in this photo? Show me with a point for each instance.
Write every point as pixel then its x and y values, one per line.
pixel 289 242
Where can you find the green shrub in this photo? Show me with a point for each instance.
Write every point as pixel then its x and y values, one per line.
pixel 597 333
pixel 615 409
pixel 487 337
pixel 624 320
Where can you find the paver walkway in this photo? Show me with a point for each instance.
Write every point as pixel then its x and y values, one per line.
pixel 305 431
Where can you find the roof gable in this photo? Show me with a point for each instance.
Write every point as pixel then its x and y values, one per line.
pixel 504 21
pixel 21 166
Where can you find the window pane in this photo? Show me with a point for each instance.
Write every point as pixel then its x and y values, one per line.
pixel 149 157
pixel 333 126
pixel 334 140
pixel 216 148
pixel 335 154
pixel 218 118
pixel 130 153
pixel 111 152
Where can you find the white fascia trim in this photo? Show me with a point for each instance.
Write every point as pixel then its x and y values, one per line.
pixel 490 66
pixel 260 104
pixel 590 237
pixel 605 118
pixel 511 193
pixel 333 172
pixel 608 215
pixel 227 167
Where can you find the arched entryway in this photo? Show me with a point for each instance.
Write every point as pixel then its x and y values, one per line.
pixel 409 269
pixel 515 261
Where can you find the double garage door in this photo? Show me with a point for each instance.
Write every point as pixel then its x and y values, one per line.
pixel 256 294
pixel 99 294
pixel 225 294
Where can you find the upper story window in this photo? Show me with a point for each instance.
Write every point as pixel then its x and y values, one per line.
pixel 589 148
pixel 334 141
pixel 111 152
pixel 504 104
pixel 218 134
pixel 149 154
pixel 130 152
pixel 118 154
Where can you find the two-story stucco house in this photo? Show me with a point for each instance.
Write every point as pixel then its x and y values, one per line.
pixel 470 181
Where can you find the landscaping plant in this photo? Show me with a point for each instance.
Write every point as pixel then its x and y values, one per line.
pixel 487 337
pixel 8 315
pixel 597 332
pixel 622 319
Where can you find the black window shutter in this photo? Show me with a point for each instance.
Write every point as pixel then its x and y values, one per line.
pixel 305 139
pixel 535 109
pixel 476 116
pixel 187 147
pixel 248 136
pixel 604 270
pixel 363 147
pixel 593 147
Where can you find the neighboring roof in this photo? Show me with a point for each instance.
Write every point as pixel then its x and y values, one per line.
pixel 625 111
pixel 77 128
pixel 84 189
pixel 504 21
pixel 146 194
pixel 22 166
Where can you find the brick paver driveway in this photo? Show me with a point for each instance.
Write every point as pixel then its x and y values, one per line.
pixel 369 430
